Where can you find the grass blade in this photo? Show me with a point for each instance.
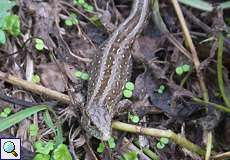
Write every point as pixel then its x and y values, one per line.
pixel 199 4
pixel 19 116
pixel 220 70
pixel 225 5
pixel 48 120
pixel 56 127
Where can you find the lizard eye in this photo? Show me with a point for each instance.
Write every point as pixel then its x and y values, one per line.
pixel 91 123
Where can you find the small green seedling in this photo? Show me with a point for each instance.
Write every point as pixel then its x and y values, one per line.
pixel 127 93
pixel 129 86
pixel 12 25
pixel 44 147
pixel 160 145
pixel 71 20
pixel 40 156
pixel 162 142
pixel 82 75
pixel 2 37
pixel 130 156
pixel 101 147
pixel 87 7
pixel 39 44
pixel 133 118
pixel 77 73
pixel 78 2
pixel 186 68
pixel 36 79
pixel 161 89
pixel 6 112
pixel 33 130
pixel 43 151
pixel 85 76
pixel 68 22
pixel 96 21
pixel 111 144
pixel 62 152
pixel 179 70
pixel 182 69
pixel 9 23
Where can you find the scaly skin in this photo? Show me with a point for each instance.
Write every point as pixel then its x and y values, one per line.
pixel 110 71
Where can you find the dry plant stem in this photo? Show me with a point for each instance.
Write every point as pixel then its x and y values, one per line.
pixel 34 87
pixel 163 29
pixel 128 146
pixel 222 156
pixel 75 9
pixel 179 46
pixel 197 21
pixel 217 106
pixel 209 146
pixel 192 48
pixel 89 150
pixel 220 70
pixel 177 138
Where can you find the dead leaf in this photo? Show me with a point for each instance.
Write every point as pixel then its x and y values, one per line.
pixel 145 49
pixel 51 76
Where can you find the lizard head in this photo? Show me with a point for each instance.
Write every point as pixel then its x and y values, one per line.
pixel 96 121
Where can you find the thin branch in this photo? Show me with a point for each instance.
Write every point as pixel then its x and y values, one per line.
pixel 192 48
pixel 222 156
pixel 217 106
pixel 34 87
pixel 177 138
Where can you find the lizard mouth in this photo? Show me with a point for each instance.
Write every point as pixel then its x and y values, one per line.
pixel 94 132
pixel 102 131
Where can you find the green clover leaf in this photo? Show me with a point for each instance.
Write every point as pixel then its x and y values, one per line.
pixel 62 153
pixel 101 148
pixel 127 93
pixel 129 86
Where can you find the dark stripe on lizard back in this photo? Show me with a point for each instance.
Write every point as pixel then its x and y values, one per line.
pixel 114 61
